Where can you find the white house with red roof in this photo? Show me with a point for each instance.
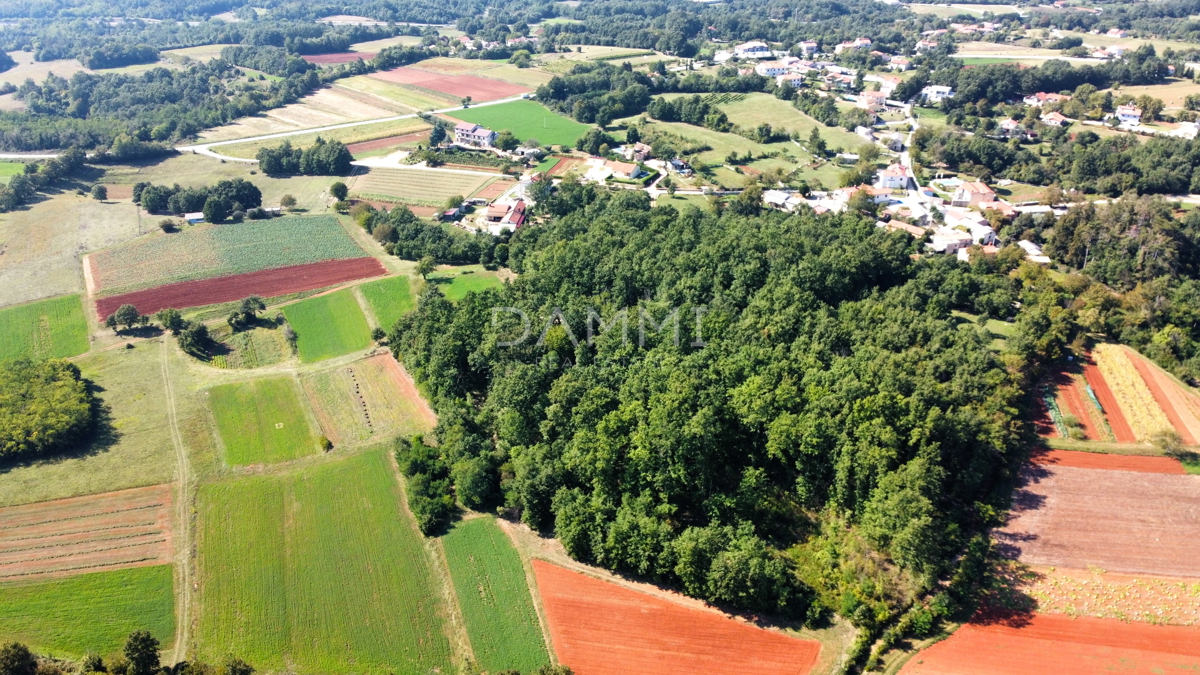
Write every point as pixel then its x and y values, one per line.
pixel 469 133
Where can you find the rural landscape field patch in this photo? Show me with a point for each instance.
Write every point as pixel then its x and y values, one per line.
pixel 52 328
pixel 318 571
pixel 417 186
pixel 254 348
pixel 90 612
pixel 600 628
pixel 207 251
pixel 328 325
pixel 478 88
pixel 525 119
pixel 262 421
pixel 492 591
pixel 389 299
pixel 456 282
pixel 372 399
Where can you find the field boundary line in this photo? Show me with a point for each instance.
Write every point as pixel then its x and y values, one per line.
pixel 531 585
pixel 184 596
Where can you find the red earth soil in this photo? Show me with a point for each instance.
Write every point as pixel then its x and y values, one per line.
pixel 1048 643
pixel 1160 396
pixel 344 57
pixel 494 190
pixel 1116 420
pixel 1095 460
pixel 1119 521
pixel 119 192
pixel 600 628
pixel 478 88
pixel 1073 397
pixel 367 146
pixel 564 165
pixel 266 283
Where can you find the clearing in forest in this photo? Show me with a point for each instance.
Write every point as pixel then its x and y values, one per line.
pixel 389 299
pixel 91 612
pixel 456 282
pixel 493 593
pixel 52 328
pixel 600 628
pixel 320 570
pixel 262 421
pixel 328 325
pixel 372 399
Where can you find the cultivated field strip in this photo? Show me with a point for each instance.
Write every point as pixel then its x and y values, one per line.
pixel 418 186
pixel 86 534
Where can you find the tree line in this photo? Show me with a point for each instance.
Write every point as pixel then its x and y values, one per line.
pixel 139 656
pixel 218 201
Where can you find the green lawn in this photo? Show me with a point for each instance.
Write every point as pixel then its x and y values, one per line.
pixel 318 571
pixel 10 169
pixel 547 164
pixel 90 612
pixel 262 421
pixel 757 108
pixel 389 299
pixel 328 325
pixel 456 282
pixel 929 117
pixel 526 119
pixel 52 328
pixel 493 593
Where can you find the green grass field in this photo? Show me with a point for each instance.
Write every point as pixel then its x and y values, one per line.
pixel 262 421
pixel 526 119
pixel 757 108
pixel 52 328
pixel 318 571
pixel 10 169
pixel 90 612
pixel 497 606
pixel 418 186
pixel 207 251
pixel 389 299
pixel 456 282
pixel 328 326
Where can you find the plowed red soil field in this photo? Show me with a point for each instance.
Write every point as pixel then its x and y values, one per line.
pixel 1122 432
pixel 266 283
pixel 1095 460
pixel 1063 646
pixel 129 528
pixel 1071 394
pixel 478 88
pixel 1121 521
pixel 494 190
pixel 1178 404
pixel 600 628
pixel 564 165
pixel 344 57
pixel 367 146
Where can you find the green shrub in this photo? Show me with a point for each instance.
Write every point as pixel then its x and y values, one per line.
pixel 44 407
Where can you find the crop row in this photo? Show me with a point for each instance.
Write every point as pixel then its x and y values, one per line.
pixel 1142 412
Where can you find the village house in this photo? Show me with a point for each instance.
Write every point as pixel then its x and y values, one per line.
pixel 838 81
pixel 1055 119
pixel 899 63
pixel 468 133
pixel 1117 33
pixel 1117 51
pixel 793 80
pixel 680 167
pixel 970 193
pixel 623 170
pixel 754 49
pixel 859 43
pixel 772 68
pixel 807 48
pixel 873 101
pixel 1129 115
pixel 895 177
pixel 1041 97
pixel 1012 129
pixel 637 152
pixel 893 141
pixel 936 93
pixel 926 45
pixel 949 240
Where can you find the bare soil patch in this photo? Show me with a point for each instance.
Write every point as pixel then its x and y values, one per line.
pixel 1123 521
pixel 344 57
pixel 266 283
pixel 129 528
pixel 494 190
pixel 599 628
pixel 1062 645
pixel 1112 595
pixel 1096 460
pixel 390 141
pixel 478 88
pixel 116 192
pixel 564 165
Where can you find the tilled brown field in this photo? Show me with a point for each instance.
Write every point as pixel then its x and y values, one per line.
pixel 1120 521
pixel 129 528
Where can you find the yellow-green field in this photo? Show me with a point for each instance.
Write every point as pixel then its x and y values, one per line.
pixel 328 325
pixel 46 329
pixel 348 135
pixel 362 402
pixel 418 186
pixel 456 282
pixel 262 421
pixel 389 299
pixel 417 100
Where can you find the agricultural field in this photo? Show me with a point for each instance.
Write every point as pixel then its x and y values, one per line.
pixel 91 612
pixel 114 530
pixel 376 46
pixel 387 145
pixel 526 119
pixel 429 187
pixel 263 345
pixel 348 135
pixel 132 446
pixel 493 593
pixel 389 299
pixel 328 325
pixel 526 77
pixel 45 329
pixel 324 107
pixel 601 628
pixel 395 93
pixel 10 169
pixel 722 144
pixel 370 400
pixel 1173 92
pixel 754 109
pixel 262 421
pixel 272 283
pixel 208 251
pixel 479 89
pixel 456 282
pixel 201 53
pixel 318 571
pixel 37 71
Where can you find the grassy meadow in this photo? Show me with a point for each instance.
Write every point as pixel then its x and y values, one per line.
pixel 52 328
pixel 456 282
pixel 362 403
pixel 757 108
pixel 389 299
pixel 525 119
pixel 494 595
pixel 90 612
pixel 318 571
pixel 328 325
pixel 262 421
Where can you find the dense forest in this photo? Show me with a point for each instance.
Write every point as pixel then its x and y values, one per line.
pixel 791 420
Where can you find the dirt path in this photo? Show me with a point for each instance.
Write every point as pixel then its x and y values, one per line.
pixel 184 531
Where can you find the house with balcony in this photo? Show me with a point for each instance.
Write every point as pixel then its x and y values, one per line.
pixel 471 134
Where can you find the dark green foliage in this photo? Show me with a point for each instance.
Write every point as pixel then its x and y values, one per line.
pixel 430 497
pixel 116 54
pixel 171 320
pixel 45 407
pixel 126 315
pixel 411 238
pixel 267 58
pixel 230 193
pixel 591 141
pixel 690 110
pixel 16 659
pixel 195 340
pixel 141 650
pixel 323 158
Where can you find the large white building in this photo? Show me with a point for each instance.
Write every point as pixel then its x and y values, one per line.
pixel 467 133
pixel 754 49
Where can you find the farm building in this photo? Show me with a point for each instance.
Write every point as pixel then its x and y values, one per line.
pixel 754 49
pixel 1041 97
pixel 467 133
pixel 624 170
pixel 1129 114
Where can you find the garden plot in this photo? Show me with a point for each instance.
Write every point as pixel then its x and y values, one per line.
pixel 47 329
pixel 130 528
pixel 369 400
pixel 318 571
pixel 420 186
pixel 260 346
pixel 262 421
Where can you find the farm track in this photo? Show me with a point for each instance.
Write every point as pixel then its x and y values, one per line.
pixel 114 530
pixel 183 479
